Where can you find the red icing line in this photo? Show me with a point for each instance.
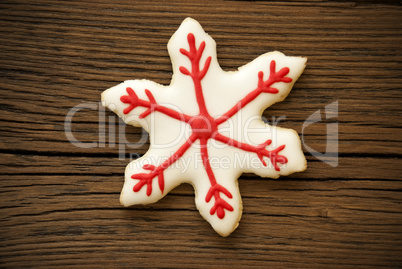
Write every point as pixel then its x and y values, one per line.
pixel 263 87
pixel 260 150
pixel 215 188
pixel 152 106
pixel 195 55
pixel 157 171
pixel 205 127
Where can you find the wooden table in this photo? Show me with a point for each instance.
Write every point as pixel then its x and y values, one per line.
pixel 60 203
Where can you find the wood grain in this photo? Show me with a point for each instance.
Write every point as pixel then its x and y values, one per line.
pixel 60 203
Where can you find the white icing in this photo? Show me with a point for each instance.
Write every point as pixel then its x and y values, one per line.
pixel 222 90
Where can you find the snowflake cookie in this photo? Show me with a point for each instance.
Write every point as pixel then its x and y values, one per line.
pixel 206 127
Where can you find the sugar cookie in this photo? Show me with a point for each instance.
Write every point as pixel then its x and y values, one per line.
pixel 206 128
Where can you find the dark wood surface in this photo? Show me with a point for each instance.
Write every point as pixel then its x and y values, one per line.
pixel 59 204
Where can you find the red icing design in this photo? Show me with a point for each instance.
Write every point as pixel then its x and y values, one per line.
pixel 205 127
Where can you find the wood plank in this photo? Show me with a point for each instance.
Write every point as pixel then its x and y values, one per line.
pixel 26 164
pixel 321 220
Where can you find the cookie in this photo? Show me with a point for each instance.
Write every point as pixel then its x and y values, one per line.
pixel 206 128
